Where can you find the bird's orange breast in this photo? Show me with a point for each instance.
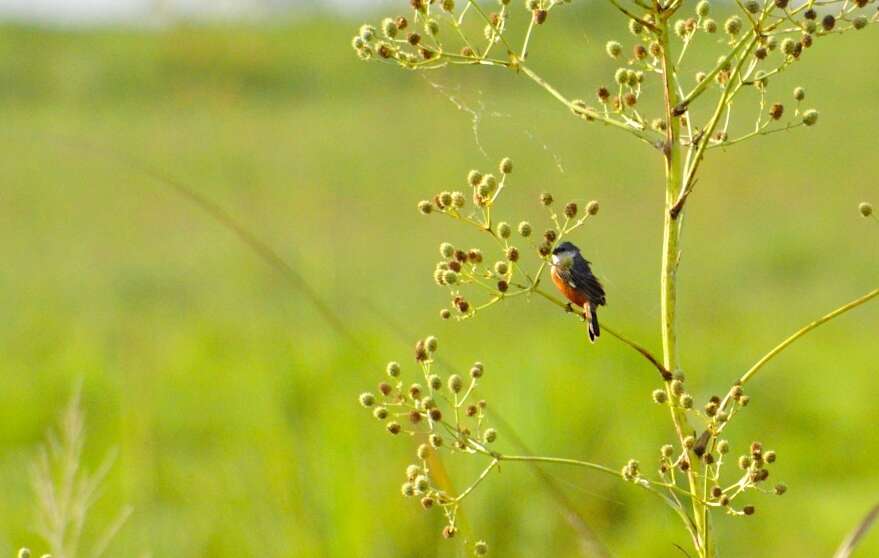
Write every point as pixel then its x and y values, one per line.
pixel 576 297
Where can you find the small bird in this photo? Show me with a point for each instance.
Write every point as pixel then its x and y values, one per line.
pixel 573 277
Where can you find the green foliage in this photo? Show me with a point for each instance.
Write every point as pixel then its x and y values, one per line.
pixel 229 398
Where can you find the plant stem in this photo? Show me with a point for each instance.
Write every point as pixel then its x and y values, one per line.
pixel 668 279
pixel 804 330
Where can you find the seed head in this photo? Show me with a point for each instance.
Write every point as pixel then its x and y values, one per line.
pixel 367 33
pixel 435 382
pixel 723 447
pixel 435 440
pixel 435 415
pixel 753 6
pixel 681 28
pixel 780 489
pixel 415 391
pixel 539 16
pixel 592 207
pixel 829 22
pixel 810 117
pixel 480 548
pixel 686 401
pixel 421 483
pixel 501 268
pixel 709 25
pixel 667 450
pixel 394 427
pixel 393 369
pixel 367 399
pixel 744 462
pixel 689 442
pixel 866 209
pixel 474 178
pixel 444 199
pixel 446 250
pixel 445 314
pixel 614 49
pixel 431 343
pixel 659 396
pixel 504 230
pixel 425 207
pixel 544 249
pixel 506 165
pixel 423 451
pixel 407 489
pixel 389 28
pixel 776 111
pixel 431 27
pixel 703 8
pixel 635 27
pixel 512 254
pixel 455 383
pixel 490 435
pixel 380 413
pixel 448 5
pixel 677 387
pixel 420 349
pixel 733 25
pixel 546 199
pixel 859 22
pixel 412 471
pixel 621 76
pixel 749 510
pixel 571 210
pixel 655 49
pixel 449 532
pixel 458 200
pixel 769 456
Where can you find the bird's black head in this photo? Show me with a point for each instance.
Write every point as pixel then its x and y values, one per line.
pixel 565 247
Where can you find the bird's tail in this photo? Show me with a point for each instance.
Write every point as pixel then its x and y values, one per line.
pixel 592 323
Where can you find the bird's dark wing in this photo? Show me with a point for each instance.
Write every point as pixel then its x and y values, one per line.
pixel 587 282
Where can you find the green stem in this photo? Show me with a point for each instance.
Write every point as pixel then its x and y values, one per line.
pixel 804 330
pixel 668 279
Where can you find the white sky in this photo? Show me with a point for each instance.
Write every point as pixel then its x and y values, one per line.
pixel 75 12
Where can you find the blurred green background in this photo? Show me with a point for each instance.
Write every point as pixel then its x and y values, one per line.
pixel 232 402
